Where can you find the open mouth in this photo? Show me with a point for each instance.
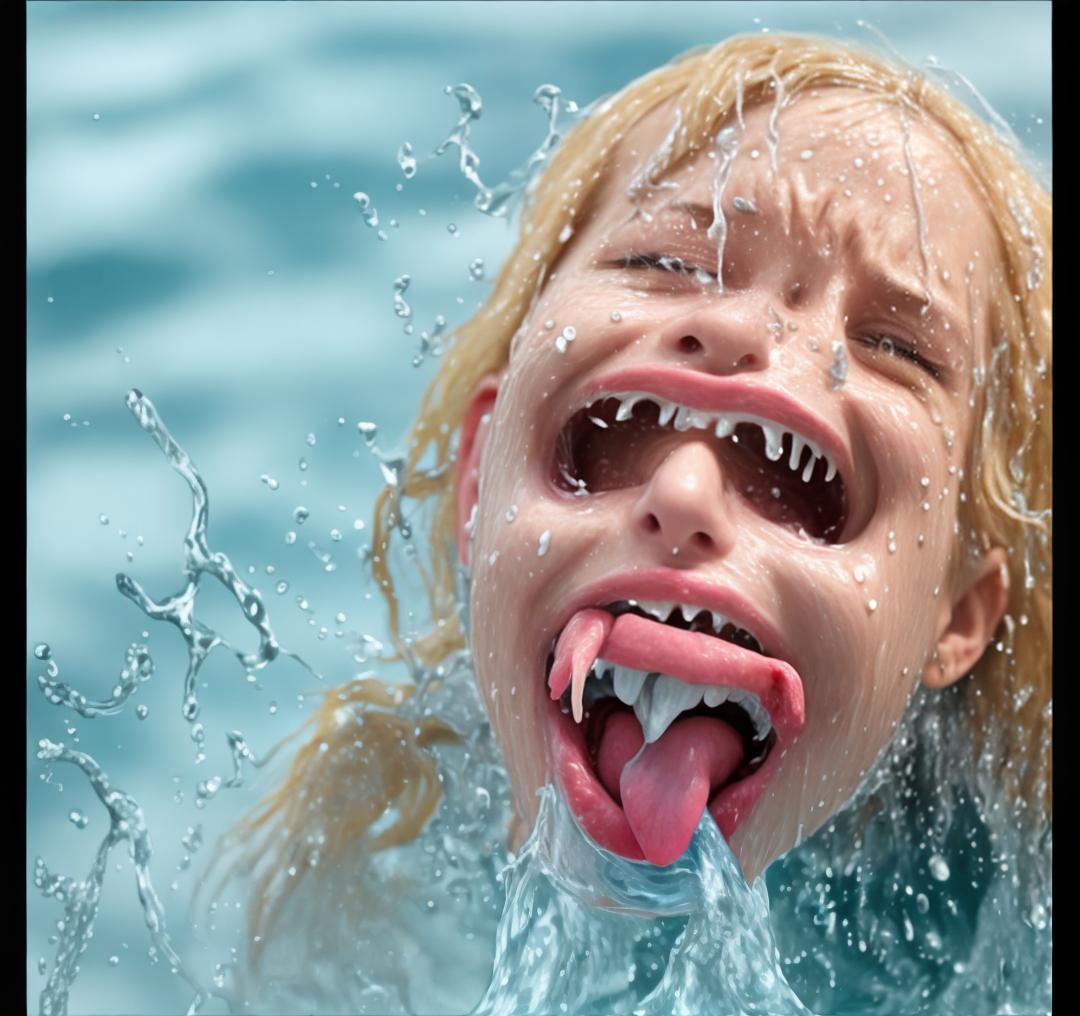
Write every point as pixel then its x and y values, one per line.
pixel 683 711
pixel 784 475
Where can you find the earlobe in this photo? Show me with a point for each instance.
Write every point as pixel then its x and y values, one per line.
pixel 470 447
pixel 971 624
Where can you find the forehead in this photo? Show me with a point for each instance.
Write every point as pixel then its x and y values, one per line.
pixel 836 169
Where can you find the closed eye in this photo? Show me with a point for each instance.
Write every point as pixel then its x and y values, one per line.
pixel 663 262
pixel 896 347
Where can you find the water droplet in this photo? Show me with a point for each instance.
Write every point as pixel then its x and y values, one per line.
pixel 476 269
pixel 939 869
pixel 406 161
pixel 452 229
pixel 300 515
pixel 511 513
pixel 78 819
pixel 49 299
pixel 96 116
pixel 273 707
pixel 142 711
pixel 806 155
pixel 544 543
pixel 371 216
pixel 303 464
pixel 114 961
pixel 838 370
pixel 401 308
pixel 103 519
pixel 616 316
pixel 335 535
pixel 565 233
pixel 42 651
pixel 269 481
pixel 290 537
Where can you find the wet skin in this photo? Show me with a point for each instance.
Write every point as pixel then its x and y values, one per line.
pixel 823 264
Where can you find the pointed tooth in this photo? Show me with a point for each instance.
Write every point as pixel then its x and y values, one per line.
pixel 628 684
pixel 715 696
pixel 643 702
pixel 577 690
pixel 725 426
pixel 698 419
pixel 809 470
pixel 667 411
pixel 656 608
pixel 832 469
pixel 626 407
pixel 682 418
pixel 719 622
pixel 772 441
pixel 669 698
pixel 688 612
pixel 797 446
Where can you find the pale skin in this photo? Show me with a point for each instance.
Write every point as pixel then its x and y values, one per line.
pixel 825 251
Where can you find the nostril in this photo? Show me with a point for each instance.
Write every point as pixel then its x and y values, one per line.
pixel 746 362
pixel 652 523
pixel 703 540
pixel 689 344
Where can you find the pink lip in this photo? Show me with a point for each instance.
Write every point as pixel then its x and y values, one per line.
pixel 732 394
pixel 693 657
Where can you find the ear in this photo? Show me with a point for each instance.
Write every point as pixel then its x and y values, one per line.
pixel 470 447
pixel 968 627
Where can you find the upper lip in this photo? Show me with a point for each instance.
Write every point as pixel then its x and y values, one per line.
pixel 682 587
pixel 714 394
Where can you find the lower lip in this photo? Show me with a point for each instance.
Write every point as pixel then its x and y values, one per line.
pixel 604 821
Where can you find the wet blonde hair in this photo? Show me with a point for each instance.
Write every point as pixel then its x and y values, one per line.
pixel 1008 492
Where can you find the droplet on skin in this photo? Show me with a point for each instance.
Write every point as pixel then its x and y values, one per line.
pixel 544 543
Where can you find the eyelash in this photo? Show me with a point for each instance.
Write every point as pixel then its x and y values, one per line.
pixel 901 350
pixel 666 263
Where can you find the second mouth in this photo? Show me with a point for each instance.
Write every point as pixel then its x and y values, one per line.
pixel 609 445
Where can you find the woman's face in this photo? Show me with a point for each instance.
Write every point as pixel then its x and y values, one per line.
pixel 781 452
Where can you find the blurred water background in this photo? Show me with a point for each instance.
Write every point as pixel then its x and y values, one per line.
pixel 192 232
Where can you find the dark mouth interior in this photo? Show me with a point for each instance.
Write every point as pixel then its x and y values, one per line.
pixel 596 453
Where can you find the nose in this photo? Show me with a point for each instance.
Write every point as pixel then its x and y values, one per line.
pixel 724 335
pixel 682 513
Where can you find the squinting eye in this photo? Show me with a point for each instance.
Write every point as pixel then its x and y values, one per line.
pixel 894 347
pixel 664 262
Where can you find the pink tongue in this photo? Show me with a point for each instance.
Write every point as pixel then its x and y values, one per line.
pixel 665 789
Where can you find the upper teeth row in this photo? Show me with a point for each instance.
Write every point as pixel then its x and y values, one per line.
pixel 723 425
pixel 663 609
pixel 657 699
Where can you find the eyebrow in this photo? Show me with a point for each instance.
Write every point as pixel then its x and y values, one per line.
pixel 700 213
pixel 906 296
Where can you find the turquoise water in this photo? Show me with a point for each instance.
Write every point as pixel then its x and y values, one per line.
pixel 192 231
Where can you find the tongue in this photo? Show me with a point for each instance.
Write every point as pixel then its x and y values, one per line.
pixel 665 786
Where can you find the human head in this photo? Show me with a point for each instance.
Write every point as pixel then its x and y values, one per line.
pixel 1008 453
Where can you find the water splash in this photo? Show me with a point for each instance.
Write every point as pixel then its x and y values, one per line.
pixel 586 931
pixel 496 201
pixel 81 898
pixel 727 145
pixel 199 560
